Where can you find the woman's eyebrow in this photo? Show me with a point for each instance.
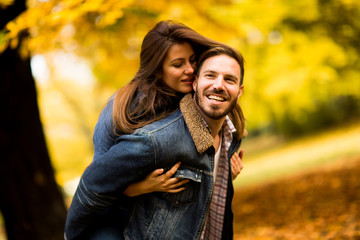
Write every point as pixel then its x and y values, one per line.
pixel 181 58
pixel 177 59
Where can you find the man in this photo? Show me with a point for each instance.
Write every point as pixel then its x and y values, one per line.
pixel 201 136
pixel 217 89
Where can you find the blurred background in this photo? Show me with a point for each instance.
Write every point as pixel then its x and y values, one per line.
pixel 301 98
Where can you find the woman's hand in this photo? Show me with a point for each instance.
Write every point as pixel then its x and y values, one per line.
pixel 236 164
pixel 157 182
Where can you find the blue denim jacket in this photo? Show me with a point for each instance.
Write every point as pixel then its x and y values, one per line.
pixel 181 136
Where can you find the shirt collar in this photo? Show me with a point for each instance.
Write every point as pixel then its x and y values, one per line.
pixel 227 122
pixel 230 124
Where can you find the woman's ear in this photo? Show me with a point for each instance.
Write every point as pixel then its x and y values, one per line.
pixel 158 75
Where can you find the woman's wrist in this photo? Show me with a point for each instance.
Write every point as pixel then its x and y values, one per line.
pixel 134 189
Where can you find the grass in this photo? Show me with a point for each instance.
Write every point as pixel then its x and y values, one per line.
pixel 269 158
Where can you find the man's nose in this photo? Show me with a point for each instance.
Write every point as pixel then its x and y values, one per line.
pixel 218 83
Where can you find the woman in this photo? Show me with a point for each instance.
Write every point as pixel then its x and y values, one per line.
pixel 165 75
pixel 167 61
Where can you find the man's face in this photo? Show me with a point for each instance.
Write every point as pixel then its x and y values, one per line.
pixel 217 88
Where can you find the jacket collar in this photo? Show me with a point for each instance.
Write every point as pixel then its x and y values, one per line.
pixel 196 124
pixel 198 130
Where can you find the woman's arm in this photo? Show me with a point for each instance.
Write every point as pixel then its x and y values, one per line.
pixel 157 181
pixel 104 181
pixel 104 137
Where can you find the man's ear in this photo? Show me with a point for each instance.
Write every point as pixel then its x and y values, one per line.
pixel 241 89
pixel 194 83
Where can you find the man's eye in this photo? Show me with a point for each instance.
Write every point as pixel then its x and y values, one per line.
pixel 231 80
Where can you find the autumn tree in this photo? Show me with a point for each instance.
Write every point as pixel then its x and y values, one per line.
pixel 31 202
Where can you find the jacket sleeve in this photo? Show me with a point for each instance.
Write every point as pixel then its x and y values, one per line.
pixel 104 181
pixel 104 137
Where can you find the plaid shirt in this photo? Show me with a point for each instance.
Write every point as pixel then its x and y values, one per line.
pixel 215 218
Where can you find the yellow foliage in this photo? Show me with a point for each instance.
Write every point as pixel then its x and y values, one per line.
pixel 3 41
pixel 110 18
pixel 3 46
pixel 288 70
pixel 6 3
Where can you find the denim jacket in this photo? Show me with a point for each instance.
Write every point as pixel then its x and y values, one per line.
pixel 181 136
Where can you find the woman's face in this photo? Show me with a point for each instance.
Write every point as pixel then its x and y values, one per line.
pixel 178 67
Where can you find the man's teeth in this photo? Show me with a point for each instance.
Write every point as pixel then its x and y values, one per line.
pixel 217 98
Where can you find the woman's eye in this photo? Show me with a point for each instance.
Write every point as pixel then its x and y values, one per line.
pixel 177 65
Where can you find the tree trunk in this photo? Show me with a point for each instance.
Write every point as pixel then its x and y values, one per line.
pixel 31 202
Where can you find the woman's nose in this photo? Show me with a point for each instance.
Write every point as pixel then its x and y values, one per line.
pixel 189 69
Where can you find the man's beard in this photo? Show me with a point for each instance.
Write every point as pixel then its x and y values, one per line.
pixel 212 113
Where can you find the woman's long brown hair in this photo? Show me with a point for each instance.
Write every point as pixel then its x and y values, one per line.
pixel 146 98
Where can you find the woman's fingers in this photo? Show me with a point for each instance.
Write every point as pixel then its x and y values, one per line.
pixel 172 170
pixel 179 183
pixel 156 173
pixel 168 183
pixel 176 190
pixel 236 163
pixel 241 154
pixel 176 187
pixel 241 158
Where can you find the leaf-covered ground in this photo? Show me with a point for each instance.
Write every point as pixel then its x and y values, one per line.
pixel 322 204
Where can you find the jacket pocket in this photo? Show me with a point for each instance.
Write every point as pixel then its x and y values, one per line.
pixel 187 195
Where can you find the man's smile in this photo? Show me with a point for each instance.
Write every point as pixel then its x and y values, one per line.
pixel 217 98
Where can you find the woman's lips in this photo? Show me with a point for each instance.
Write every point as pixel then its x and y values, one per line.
pixel 188 80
